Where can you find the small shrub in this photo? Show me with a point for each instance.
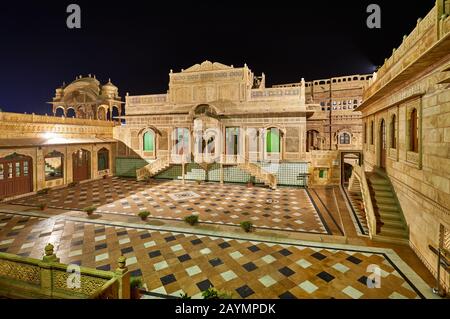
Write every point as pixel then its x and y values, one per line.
pixel 191 220
pixel 198 181
pixel 42 206
pixel 247 226
pixel 144 214
pixel 212 293
pixel 73 184
pixel 89 210
pixel 43 191
pixel 135 282
pixel 135 286
pixel 185 296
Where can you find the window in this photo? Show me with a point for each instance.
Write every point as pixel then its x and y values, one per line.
pixel 181 141
pixel 2 172
pixel 344 138
pixel 103 159
pixel 371 132
pixel 232 140
pixel 365 133
pixel 53 165
pixel 273 140
pixel 149 139
pixel 413 132
pixel 17 164
pixel 393 133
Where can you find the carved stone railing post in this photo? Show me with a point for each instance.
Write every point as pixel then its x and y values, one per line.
pixel 124 278
pixel 46 269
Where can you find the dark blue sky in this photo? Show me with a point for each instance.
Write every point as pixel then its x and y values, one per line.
pixel 136 43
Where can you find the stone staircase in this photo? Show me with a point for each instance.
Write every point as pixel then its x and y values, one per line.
pixel 153 168
pixel 259 173
pixel 391 224
pixel 356 201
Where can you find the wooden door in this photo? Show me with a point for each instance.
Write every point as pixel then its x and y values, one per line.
pixel 81 165
pixel 15 175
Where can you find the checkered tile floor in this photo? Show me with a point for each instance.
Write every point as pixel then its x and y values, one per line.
pixel 172 263
pixel 286 208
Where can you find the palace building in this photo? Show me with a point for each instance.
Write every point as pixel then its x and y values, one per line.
pixel 376 147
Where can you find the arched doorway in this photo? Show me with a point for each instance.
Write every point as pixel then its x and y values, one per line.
pixel 312 140
pixel 382 133
pixel 70 112
pixel 16 176
pixel 59 112
pixel 81 165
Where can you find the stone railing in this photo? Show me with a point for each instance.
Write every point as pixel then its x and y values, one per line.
pixel 422 38
pixel 145 99
pixel 360 174
pixel 152 168
pixel 48 119
pixel 292 93
pixel 28 278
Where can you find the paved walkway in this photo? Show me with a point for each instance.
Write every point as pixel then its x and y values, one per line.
pixel 173 262
pixel 284 209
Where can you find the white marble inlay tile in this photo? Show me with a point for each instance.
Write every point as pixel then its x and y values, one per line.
pixel 99 238
pixel 340 267
pixel 308 286
pixel 267 281
pixel 236 255
pixel 352 292
pixel 176 248
pixel 303 263
pixel 102 257
pixel 74 253
pixel 194 270
pixel 228 275
pixel 161 265
pixel 131 261
pixel 268 259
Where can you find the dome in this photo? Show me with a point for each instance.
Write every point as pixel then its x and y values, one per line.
pixel 109 86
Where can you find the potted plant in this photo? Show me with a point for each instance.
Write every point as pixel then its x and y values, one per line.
pixel 43 206
pixel 198 181
pixel 191 220
pixel 144 214
pixel 135 287
pixel 105 176
pixel 73 184
pixel 250 182
pixel 184 296
pixel 247 226
pixel 212 293
pixel 43 191
pixel 90 210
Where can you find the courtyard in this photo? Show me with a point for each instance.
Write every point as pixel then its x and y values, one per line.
pixel 174 258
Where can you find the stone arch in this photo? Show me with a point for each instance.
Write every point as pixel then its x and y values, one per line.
pixel 70 112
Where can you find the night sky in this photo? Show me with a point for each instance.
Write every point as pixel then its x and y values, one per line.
pixel 136 43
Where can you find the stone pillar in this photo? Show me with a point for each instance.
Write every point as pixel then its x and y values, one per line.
pixel 46 270
pixel 124 280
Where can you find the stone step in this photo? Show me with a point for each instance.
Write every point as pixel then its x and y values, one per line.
pixel 378 181
pixel 394 224
pixel 393 216
pixel 392 232
pixel 385 200
pixel 386 207
pixel 384 193
pixel 383 188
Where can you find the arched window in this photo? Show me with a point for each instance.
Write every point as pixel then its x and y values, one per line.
pixel 53 165
pixel 344 138
pixel 273 140
pixel 103 159
pixel 393 133
pixel 149 141
pixel 413 132
pixel 371 132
